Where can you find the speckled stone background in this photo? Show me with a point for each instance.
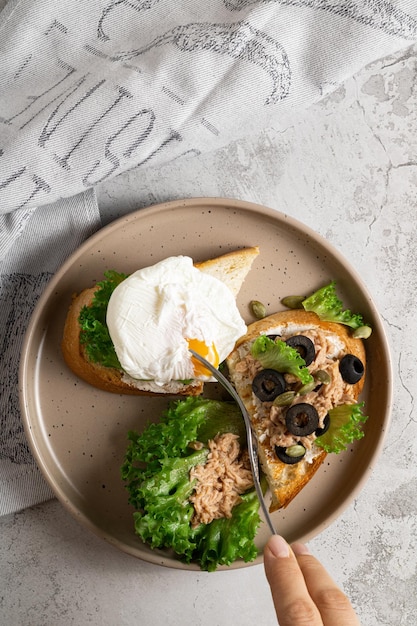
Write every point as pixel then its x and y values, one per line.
pixel 348 169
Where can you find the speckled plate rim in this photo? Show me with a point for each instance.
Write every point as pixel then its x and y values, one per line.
pixel 28 416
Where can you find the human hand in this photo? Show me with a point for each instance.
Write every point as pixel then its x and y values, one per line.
pixel 303 592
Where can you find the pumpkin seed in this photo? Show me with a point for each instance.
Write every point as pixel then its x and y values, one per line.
pixel 258 309
pixel 293 302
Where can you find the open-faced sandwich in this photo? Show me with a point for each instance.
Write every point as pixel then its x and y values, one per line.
pixel 300 376
pixel 132 334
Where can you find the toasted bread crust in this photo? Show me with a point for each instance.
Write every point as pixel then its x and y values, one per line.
pixel 232 268
pixel 286 481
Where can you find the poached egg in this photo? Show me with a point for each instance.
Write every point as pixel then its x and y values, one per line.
pixel 159 312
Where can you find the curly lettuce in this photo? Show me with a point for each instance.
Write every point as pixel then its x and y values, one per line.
pixel 346 423
pixel 277 355
pixel 94 334
pixel 326 304
pixel 225 540
pixel 156 473
pixel 165 516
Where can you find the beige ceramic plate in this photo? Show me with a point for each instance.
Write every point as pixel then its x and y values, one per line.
pixel 78 434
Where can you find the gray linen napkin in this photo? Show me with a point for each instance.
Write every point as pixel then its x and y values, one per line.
pixel 92 88
pixel 52 233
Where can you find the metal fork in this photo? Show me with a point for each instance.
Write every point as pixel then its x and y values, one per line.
pixel 253 452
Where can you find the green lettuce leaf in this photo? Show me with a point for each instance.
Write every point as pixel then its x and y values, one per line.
pixel 277 355
pixel 326 304
pixel 346 423
pixel 225 540
pixel 166 512
pixel 94 335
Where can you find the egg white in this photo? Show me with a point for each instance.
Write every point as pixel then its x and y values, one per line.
pixel 153 313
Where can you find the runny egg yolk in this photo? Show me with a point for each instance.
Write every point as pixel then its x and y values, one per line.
pixel 208 352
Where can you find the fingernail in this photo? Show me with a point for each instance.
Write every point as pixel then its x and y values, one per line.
pixel 299 549
pixel 278 546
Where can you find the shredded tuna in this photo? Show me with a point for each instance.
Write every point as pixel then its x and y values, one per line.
pixel 248 366
pixel 221 480
pixel 328 396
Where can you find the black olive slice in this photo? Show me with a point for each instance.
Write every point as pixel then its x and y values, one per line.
pixel 351 369
pixel 268 384
pixel 286 458
pixel 326 425
pixel 305 347
pixel 301 419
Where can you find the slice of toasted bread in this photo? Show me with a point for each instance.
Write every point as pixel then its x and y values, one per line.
pixel 286 480
pixel 232 268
